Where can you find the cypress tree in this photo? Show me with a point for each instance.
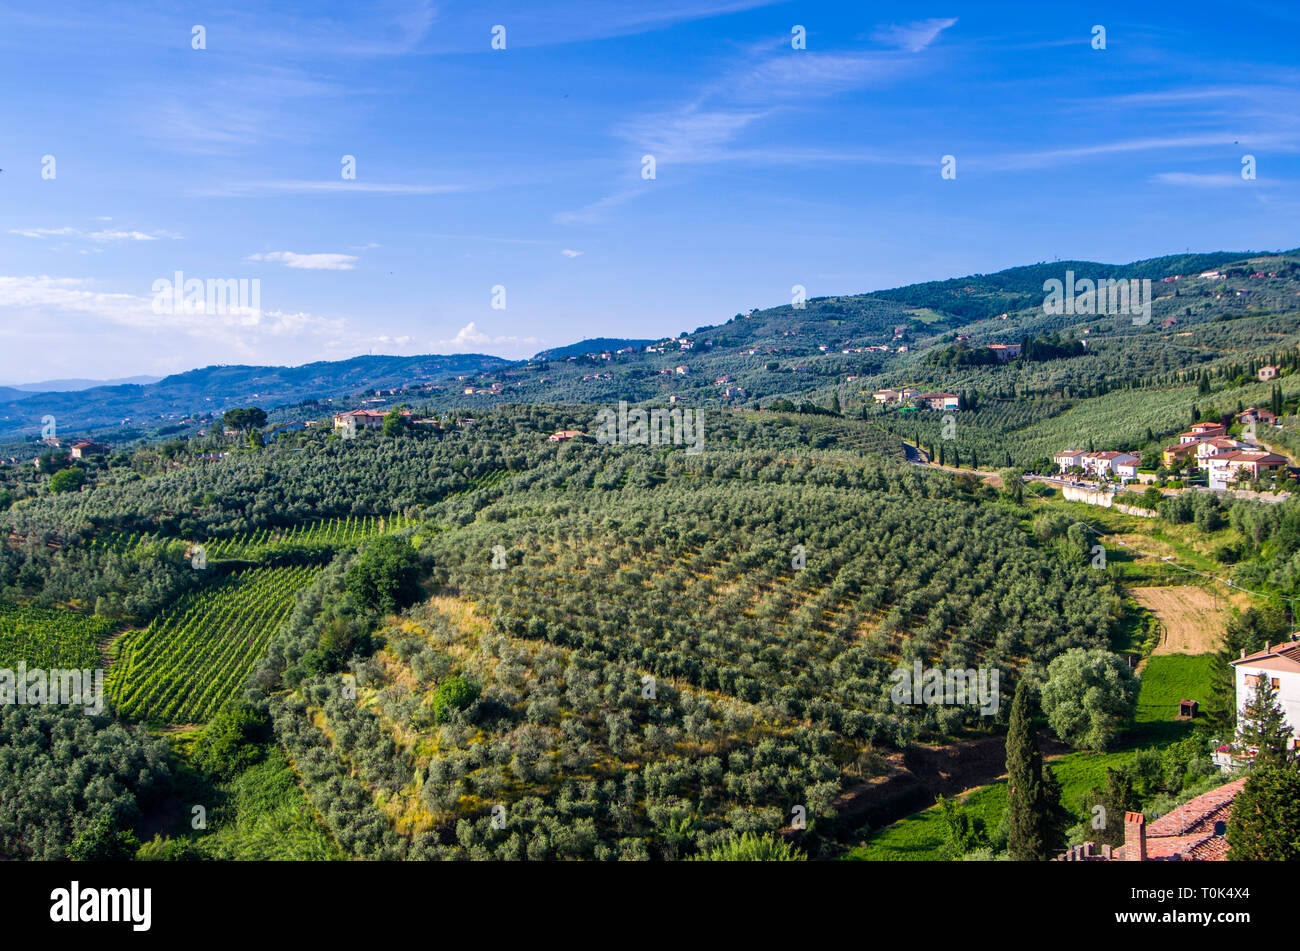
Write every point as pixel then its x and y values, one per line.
pixel 1107 826
pixel 1025 794
pixel 1264 726
pixel 1265 823
pixel 1245 632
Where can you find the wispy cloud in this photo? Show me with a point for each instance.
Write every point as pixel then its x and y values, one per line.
pixel 597 210
pixel 571 254
pixel 237 189
pixel 45 295
pixel 764 83
pixel 1198 180
pixel 913 37
pixel 111 234
pixel 1050 157
pixel 309 262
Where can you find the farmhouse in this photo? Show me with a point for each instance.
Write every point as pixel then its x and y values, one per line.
pixel 940 401
pixel 1005 351
pixel 1254 414
pixel 85 449
pixel 907 393
pixel 564 435
pixel 363 418
pixel 1269 372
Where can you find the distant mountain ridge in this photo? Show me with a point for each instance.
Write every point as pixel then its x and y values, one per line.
pixel 725 360
pixel 215 389
pixel 68 386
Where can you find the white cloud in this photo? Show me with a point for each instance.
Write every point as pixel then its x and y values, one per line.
pixel 913 37
pixel 340 187
pixel 112 234
pixel 309 262
pixel 470 337
pixel 45 232
pixel 571 254
pixel 1211 180
pixel 75 296
pixel 597 209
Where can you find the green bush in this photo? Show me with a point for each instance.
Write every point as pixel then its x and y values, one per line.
pixel 386 575
pixel 751 847
pixel 454 693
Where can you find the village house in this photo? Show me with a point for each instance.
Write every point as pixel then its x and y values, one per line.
pixel 1203 431
pixel 1183 452
pixel 1281 664
pixel 1227 467
pixel 1005 351
pixel 1069 459
pixel 1106 463
pixel 564 435
pixel 1206 448
pixel 1269 372
pixel 1196 831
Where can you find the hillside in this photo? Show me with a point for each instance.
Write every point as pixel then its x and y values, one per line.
pixel 217 388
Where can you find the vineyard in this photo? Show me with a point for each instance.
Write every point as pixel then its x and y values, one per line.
pixel 46 639
pixel 331 533
pixel 192 658
pixel 248 546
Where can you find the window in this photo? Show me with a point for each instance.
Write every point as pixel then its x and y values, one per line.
pixel 1276 683
pixel 1252 680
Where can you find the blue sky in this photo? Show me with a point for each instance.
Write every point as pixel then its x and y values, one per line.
pixel 522 167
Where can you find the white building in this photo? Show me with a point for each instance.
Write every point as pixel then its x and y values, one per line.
pixel 1068 459
pixel 1280 663
pixel 1103 463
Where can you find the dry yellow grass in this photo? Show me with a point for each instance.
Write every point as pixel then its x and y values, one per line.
pixel 1193 617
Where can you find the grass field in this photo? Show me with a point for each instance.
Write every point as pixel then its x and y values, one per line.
pixel 1168 678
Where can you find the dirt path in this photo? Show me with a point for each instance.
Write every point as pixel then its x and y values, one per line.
pixel 920 773
pixel 1193 618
